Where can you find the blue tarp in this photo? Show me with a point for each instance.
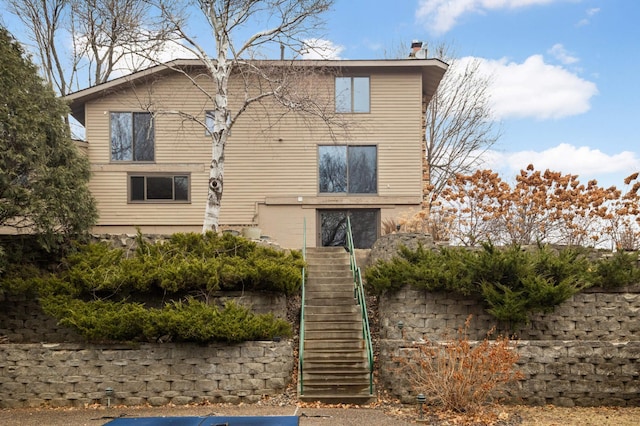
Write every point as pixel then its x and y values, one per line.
pixel 207 421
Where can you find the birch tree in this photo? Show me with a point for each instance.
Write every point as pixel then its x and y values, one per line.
pixel 45 21
pixel 272 23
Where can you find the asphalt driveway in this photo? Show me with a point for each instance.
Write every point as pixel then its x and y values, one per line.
pixel 95 416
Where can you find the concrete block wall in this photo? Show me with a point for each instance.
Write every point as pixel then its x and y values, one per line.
pixel 595 314
pixel 562 373
pixel 585 352
pixel 60 375
pixel 23 321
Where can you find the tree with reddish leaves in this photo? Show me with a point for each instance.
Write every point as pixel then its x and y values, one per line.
pixel 540 207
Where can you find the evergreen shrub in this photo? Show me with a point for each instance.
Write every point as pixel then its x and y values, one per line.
pixel 188 321
pixel 185 263
pixel 619 270
pixel 512 282
pixel 109 294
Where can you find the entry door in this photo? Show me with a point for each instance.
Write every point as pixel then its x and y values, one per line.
pixel 364 225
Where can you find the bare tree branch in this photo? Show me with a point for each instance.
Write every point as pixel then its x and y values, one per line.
pixel 285 21
pixel 459 121
pixel 103 34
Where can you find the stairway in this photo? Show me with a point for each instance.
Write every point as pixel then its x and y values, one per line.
pixel 335 365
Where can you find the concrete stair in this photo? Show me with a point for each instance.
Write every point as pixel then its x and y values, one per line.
pixel 335 365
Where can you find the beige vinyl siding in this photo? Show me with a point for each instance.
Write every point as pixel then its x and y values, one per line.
pixel 286 162
pixel 262 162
pixel 178 149
pixel 289 232
pixel 396 107
pixel 110 190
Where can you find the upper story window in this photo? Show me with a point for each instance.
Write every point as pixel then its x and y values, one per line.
pixel 210 122
pixel 352 94
pixel 159 188
pixel 132 136
pixel 348 169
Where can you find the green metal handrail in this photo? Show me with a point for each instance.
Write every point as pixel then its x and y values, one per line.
pixel 361 300
pixel 301 343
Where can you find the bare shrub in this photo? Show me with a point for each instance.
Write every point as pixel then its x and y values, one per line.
pixel 461 375
pixel 390 226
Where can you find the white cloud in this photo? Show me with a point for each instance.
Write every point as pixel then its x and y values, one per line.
pixel 317 48
pixel 586 162
pixel 142 54
pixel 593 11
pixel 560 53
pixel 442 15
pixel 167 52
pixel 590 12
pixel 535 89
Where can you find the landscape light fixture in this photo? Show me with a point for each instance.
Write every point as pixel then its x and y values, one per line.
pixel 109 392
pixel 421 400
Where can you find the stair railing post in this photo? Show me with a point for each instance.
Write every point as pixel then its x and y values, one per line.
pixel 360 299
pixel 302 302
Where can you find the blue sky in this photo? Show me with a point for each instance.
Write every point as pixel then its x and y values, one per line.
pixel 564 71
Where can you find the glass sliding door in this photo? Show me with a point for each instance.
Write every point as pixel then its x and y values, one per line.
pixel 364 225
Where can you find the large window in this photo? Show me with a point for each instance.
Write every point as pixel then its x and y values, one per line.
pixel 348 169
pixel 352 94
pixel 132 137
pixel 159 188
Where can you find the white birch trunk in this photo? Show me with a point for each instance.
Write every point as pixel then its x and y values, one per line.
pixel 216 183
pixel 220 70
pixel 291 18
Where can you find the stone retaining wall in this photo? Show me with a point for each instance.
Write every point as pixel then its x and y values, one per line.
pixel 585 352
pixel 594 314
pixel 562 373
pixel 23 321
pixel 58 375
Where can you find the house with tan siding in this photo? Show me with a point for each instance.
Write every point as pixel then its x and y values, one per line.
pixel 150 163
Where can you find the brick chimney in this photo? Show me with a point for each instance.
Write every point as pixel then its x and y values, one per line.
pixel 416 46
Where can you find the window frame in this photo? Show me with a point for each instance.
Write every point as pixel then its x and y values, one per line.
pixel 132 115
pixel 352 94
pixel 145 188
pixel 348 184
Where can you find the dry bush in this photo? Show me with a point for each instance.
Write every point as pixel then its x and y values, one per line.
pixel 461 375
pixel 417 222
pixel 435 222
pixel 390 226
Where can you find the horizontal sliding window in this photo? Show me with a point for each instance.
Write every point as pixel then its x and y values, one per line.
pixel 159 188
